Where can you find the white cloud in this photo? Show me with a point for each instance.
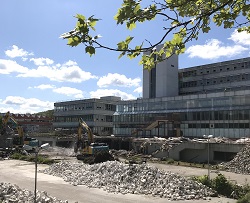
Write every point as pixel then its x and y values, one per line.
pixel 116 79
pixel 45 86
pixel 16 104
pixel 214 49
pixel 59 73
pixel 69 91
pixel 111 92
pixel 138 90
pixel 70 63
pixel 42 61
pixel 16 52
pixel 9 66
pixel 241 37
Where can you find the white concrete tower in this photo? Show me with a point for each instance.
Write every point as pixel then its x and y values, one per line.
pixel 162 80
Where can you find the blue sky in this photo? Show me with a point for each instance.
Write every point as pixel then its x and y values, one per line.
pixel 37 68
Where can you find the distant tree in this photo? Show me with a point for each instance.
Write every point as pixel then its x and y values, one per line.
pixel 49 113
pixel 184 20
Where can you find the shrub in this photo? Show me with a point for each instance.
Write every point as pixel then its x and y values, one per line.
pixel 224 187
pixel 31 158
pixel 245 199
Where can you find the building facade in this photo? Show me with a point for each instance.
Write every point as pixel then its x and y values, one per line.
pixel 212 99
pixel 155 83
pixel 32 123
pixel 97 113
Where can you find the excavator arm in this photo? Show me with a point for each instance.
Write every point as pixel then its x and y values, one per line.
pixel 89 131
pixel 79 143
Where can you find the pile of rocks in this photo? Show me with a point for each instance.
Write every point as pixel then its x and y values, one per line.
pixel 240 163
pixel 12 193
pixel 117 177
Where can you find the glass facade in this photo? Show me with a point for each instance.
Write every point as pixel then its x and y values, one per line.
pixel 217 114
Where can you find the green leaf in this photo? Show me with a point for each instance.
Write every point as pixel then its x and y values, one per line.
pixel 129 39
pixel 177 39
pixel 131 26
pixel 137 8
pixel 121 45
pixel 122 54
pixel 80 17
pixel 90 50
pixel 205 29
pixel 74 41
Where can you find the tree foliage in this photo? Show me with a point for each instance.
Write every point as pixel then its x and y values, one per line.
pixel 49 113
pixel 184 20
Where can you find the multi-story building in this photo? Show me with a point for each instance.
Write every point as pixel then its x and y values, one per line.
pixel 211 99
pixel 97 113
pixel 226 76
pixel 32 123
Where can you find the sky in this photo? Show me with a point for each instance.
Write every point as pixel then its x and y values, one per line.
pixel 37 68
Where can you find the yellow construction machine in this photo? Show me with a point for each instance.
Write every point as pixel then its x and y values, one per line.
pixel 90 151
pixel 16 141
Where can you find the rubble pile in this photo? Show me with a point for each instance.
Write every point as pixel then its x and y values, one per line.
pixel 240 163
pixel 117 177
pixel 12 193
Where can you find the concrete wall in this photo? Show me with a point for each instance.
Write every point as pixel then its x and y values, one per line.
pixel 167 78
pixel 167 84
pixel 198 152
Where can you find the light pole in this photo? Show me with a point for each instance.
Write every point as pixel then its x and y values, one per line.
pixel 208 154
pixel 43 146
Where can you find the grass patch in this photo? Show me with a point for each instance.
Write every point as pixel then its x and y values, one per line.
pixel 31 158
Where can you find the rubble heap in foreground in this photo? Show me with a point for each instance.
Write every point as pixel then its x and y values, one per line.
pixel 118 177
pixel 13 193
pixel 240 163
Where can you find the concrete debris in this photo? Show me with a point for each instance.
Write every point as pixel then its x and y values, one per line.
pixel 117 177
pixel 62 151
pixel 14 194
pixel 240 163
pixel 243 140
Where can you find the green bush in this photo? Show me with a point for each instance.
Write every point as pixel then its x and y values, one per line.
pixel 204 180
pixel 170 161
pixel 224 187
pixel 245 199
pixel 31 158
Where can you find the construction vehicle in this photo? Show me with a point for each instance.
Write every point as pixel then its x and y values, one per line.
pixel 90 151
pixel 12 140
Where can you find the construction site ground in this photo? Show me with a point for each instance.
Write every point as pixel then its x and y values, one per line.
pixel 22 173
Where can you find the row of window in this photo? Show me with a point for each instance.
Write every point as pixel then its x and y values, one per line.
pixel 219 125
pixel 88 106
pixel 213 81
pixel 185 104
pixel 184 116
pixel 103 118
pixel 223 89
pixel 208 70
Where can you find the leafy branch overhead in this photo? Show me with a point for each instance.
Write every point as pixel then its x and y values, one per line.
pixel 184 20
